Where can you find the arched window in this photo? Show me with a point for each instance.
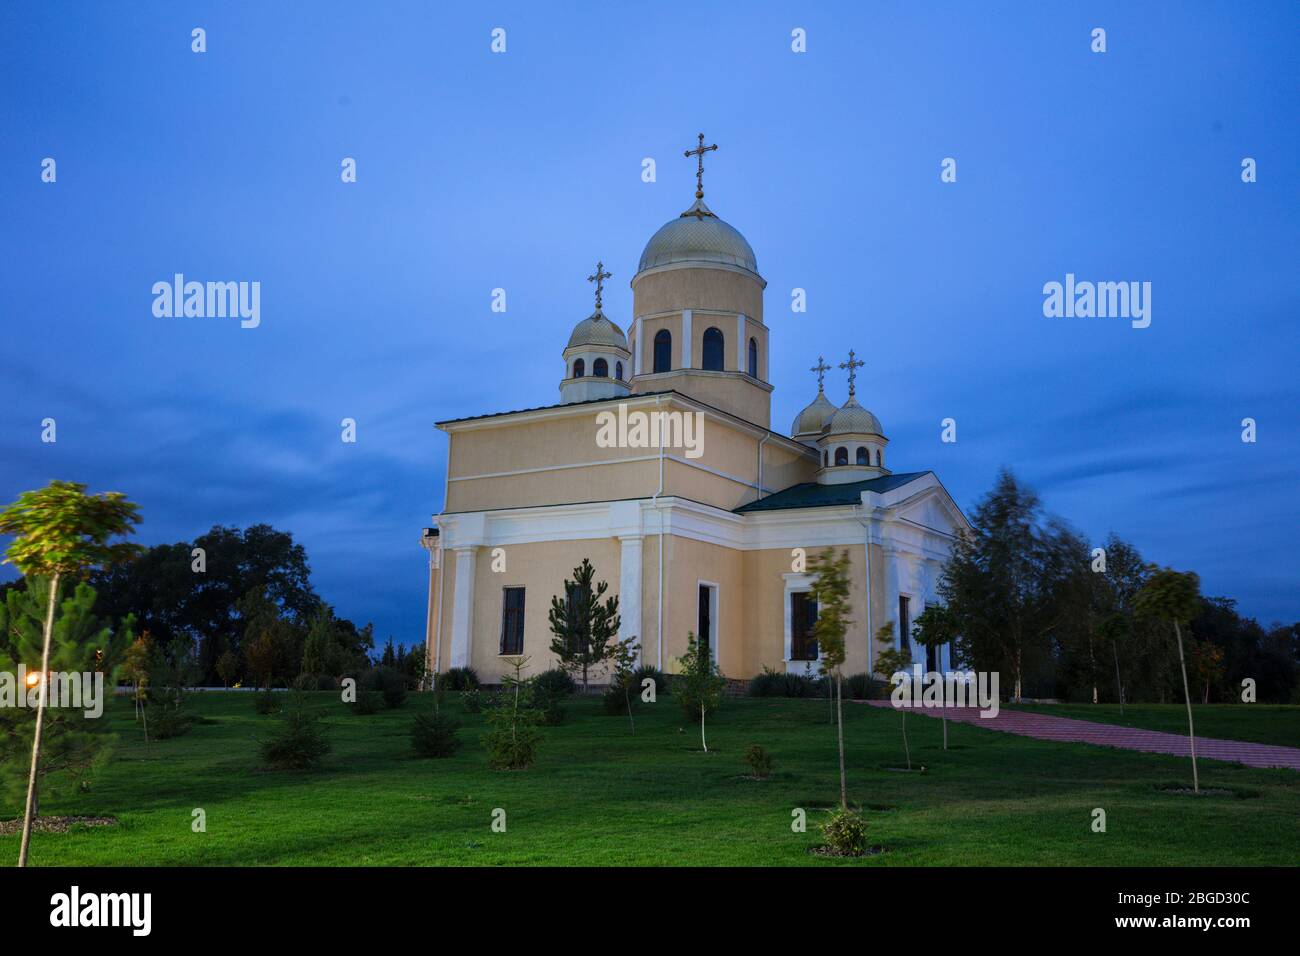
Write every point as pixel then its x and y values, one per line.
pixel 712 350
pixel 841 455
pixel 600 368
pixel 579 368
pixel 618 371
pixel 877 456
pixel 864 456
pixel 663 350
pixel 753 358
pixel 826 458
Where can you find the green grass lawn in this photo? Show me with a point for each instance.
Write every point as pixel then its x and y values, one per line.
pixel 1259 723
pixel 599 795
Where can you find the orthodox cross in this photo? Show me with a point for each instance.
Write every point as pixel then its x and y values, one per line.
pixel 599 278
pixel 852 366
pixel 699 152
pixel 821 368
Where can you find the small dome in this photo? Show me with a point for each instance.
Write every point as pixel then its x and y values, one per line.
pixel 697 235
pixel 596 329
pixel 813 418
pixel 853 419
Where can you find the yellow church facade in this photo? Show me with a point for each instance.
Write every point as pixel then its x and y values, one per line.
pixel 660 466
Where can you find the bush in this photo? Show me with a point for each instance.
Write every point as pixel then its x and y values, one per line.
pixel 846 833
pixel 473 700
pixel 434 734
pixel 616 703
pixel 389 682
pixel 772 683
pixel 459 678
pixel 266 702
pixel 368 702
pixel 759 760
pixel 865 687
pixel 299 744
pixel 167 722
pixel 663 686
pixel 551 711
pixel 512 749
pixel 556 683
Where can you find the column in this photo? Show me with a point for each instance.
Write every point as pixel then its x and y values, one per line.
pixel 629 592
pixel 640 346
pixel 687 338
pixel 463 606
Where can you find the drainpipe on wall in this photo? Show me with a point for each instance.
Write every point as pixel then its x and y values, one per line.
pixel 654 502
pixel 867 551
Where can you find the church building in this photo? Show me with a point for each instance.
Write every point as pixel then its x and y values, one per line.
pixel 659 464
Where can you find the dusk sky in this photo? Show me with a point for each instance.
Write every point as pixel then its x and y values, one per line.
pixel 519 170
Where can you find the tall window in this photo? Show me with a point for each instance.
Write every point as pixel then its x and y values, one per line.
pixel 864 456
pixel 574 595
pixel 803 616
pixel 841 455
pixel 663 350
pixel 512 621
pixel 877 456
pixel 618 371
pixel 753 358
pixel 579 368
pixel 600 368
pixel 713 345
pixel 904 620
pixel 826 458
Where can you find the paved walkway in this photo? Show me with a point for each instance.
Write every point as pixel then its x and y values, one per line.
pixel 1046 727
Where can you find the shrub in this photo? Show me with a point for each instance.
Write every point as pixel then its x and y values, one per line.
pixel 299 744
pixel 615 703
pixel 266 702
pixel 367 702
pixel 663 687
pixel 865 687
pixel 556 683
pixel 845 832
pixel 434 734
pixel 390 683
pixel 551 711
pixel 512 741
pixel 772 683
pixel 473 700
pixel 759 760
pixel 459 678
pixel 167 722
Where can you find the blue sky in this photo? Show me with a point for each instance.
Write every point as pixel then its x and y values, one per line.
pixel 519 170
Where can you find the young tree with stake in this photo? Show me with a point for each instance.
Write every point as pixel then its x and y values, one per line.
pixel 830 588
pixel 60 531
pixel 1169 595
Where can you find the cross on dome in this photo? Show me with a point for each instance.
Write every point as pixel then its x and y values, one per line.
pixel 852 366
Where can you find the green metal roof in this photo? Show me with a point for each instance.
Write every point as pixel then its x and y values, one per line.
pixel 810 494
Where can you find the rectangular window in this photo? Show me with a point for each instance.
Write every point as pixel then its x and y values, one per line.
pixel 904 621
pixel 512 621
pixel 803 617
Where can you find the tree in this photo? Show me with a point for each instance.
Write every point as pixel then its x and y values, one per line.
pixel 701 684
pixel 1175 597
pixel 512 741
pixel 830 588
pixel 1207 664
pixel 935 627
pixel 1003 580
pixel 583 625
pixel 891 661
pixel 61 531
pixel 624 656
pixel 136 668
pixel 228 667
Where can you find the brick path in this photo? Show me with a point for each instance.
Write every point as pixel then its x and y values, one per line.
pixel 1046 727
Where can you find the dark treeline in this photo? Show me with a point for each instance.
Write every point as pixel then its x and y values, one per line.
pixel 240 611
pixel 1059 617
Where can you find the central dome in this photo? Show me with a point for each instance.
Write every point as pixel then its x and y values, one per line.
pixel 697 235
